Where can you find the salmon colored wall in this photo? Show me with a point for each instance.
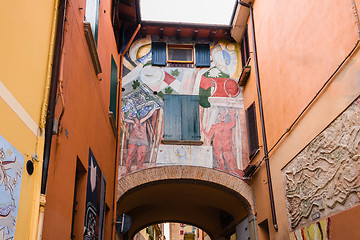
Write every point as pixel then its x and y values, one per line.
pixel 300 44
pixel 87 122
pixel 345 225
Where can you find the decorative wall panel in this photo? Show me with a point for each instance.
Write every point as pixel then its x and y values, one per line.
pixel 325 176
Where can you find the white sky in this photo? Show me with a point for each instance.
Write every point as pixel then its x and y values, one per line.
pixel 188 11
pixel 167 231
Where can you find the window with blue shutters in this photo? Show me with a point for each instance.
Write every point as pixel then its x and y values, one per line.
pixel 181 120
pixel 158 53
pixel 180 55
pixel 202 53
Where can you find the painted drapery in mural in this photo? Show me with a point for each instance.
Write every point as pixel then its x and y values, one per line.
pixel 11 162
pixel 95 201
pixel 221 120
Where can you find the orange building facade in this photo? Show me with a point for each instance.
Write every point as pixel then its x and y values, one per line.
pixel 308 69
pixel 81 174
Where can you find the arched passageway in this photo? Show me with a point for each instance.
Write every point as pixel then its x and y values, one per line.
pixel 209 199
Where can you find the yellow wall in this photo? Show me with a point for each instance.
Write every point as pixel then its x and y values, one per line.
pixel 24 47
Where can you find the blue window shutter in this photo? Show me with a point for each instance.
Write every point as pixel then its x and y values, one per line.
pixel 181 117
pixel 172 123
pixel 158 53
pixel 202 53
pixel 190 117
pixel 113 87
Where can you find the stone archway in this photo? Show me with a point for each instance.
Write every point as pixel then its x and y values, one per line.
pixel 210 199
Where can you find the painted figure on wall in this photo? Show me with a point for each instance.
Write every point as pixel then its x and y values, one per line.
pixel 220 136
pixel 138 114
pixel 11 162
pixel 138 140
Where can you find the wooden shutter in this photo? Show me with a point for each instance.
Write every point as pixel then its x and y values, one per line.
pixel 172 119
pixel 252 130
pixel 190 117
pixel 181 117
pixel 158 53
pixel 202 53
pixel 113 87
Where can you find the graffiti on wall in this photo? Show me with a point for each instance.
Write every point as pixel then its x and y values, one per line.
pixel 11 162
pixel 317 231
pixel 325 176
pixel 221 120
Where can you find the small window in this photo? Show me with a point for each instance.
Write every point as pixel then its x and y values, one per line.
pixel 181 118
pixel 244 45
pixel 92 16
pixel 252 130
pixel 180 53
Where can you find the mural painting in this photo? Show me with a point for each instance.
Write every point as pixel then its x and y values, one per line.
pixel 139 114
pixel 316 231
pixel 11 162
pixel 221 120
pixel 95 201
pixel 325 176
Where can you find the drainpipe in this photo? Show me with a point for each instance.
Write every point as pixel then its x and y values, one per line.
pixel 118 123
pixel 266 152
pixel 47 118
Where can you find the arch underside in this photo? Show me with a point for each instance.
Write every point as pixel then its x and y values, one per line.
pixel 209 199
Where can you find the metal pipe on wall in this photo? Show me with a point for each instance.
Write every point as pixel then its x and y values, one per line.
pixel 266 152
pixel 53 91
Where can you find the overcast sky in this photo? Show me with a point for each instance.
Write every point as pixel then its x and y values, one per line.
pixel 189 11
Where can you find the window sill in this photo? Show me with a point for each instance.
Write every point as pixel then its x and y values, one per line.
pixel 92 47
pixel 182 142
pixel 113 124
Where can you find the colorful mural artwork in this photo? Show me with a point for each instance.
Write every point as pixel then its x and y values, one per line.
pixel 221 120
pixel 95 201
pixel 11 162
pixel 316 231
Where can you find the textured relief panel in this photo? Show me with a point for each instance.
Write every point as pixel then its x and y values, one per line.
pixel 325 176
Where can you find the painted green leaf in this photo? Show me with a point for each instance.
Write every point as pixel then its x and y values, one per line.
pixel 204 95
pixel 135 84
pixel 175 73
pixel 168 90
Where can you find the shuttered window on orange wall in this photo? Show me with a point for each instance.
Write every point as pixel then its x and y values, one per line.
pixel 252 130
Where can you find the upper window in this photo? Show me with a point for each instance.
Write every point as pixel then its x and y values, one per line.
pixel 181 118
pixel 180 53
pixel 92 16
pixel 176 55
